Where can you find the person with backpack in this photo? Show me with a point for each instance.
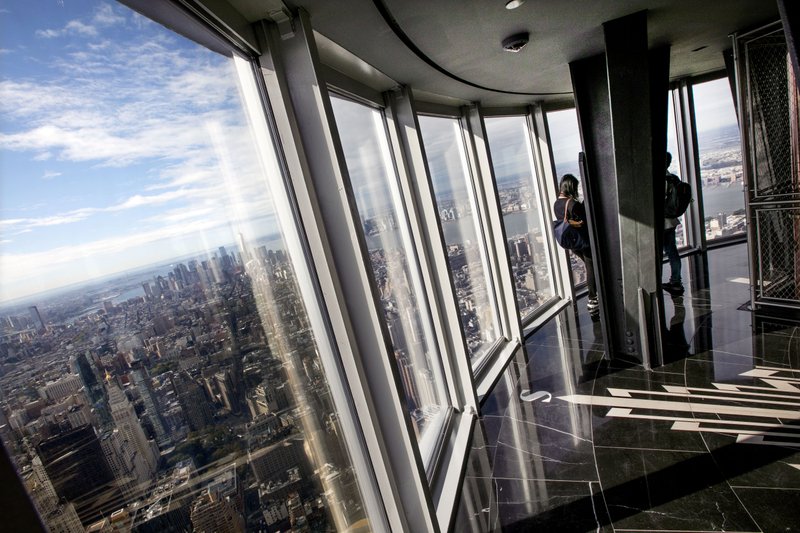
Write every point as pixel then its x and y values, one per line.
pixel 677 196
pixel 572 232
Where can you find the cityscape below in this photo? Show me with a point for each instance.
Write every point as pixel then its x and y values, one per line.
pixel 166 404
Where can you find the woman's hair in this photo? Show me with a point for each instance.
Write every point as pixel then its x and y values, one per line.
pixel 569 186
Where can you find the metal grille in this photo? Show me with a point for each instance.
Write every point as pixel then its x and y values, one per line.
pixel 770 124
pixel 769 101
pixel 778 246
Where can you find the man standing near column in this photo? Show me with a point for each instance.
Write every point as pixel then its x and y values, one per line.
pixel 674 286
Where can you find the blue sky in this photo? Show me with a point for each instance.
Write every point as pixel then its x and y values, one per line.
pixel 121 145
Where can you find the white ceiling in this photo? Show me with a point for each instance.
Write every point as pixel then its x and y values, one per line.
pixel 464 38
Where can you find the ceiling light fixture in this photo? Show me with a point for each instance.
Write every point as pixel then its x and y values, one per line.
pixel 514 4
pixel 516 42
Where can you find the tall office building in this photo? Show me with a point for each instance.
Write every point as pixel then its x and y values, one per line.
pixel 131 435
pixel 76 465
pixel 57 516
pixel 219 508
pixel 141 380
pixel 194 402
pixel 213 514
pixel 148 291
pixel 36 318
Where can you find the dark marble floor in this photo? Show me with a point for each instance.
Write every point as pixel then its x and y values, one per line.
pixel 710 441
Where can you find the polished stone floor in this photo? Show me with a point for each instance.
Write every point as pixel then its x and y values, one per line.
pixel 570 440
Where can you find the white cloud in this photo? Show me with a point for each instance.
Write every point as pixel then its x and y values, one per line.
pixel 190 204
pixel 76 26
pixel 139 200
pixel 185 215
pixel 24 225
pixel 48 34
pixel 107 16
pixel 78 215
pixel 117 102
pixel 73 27
pixel 12 221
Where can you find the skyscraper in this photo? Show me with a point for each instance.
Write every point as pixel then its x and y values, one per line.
pixel 141 379
pixel 36 317
pixel 75 463
pixel 130 431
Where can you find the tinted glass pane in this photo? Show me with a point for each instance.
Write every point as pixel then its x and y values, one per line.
pixel 565 142
pixel 720 153
pixel 510 146
pixel 675 167
pixel 463 234
pixel 159 368
pixel 393 261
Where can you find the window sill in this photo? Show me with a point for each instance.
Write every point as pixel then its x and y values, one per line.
pixel 446 488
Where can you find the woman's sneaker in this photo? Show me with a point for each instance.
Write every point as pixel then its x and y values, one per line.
pixel 592 305
pixel 675 288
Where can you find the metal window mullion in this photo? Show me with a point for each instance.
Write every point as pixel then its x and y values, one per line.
pixel 742 96
pixel 217 28
pixel 686 124
pixel 406 140
pixel 546 170
pixel 307 130
pixel 431 448
pixel 406 137
pixel 493 229
pixel 481 224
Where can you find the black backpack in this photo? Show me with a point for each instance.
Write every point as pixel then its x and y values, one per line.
pixel 678 197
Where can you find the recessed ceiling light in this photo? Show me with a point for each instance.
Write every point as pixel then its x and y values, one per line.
pixel 514 4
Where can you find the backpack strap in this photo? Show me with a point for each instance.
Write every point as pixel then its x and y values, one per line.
pixel 566 208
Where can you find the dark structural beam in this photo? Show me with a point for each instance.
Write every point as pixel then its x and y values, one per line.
pixel 590 85
pixel 621 99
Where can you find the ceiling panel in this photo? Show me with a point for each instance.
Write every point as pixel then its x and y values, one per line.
pixel 464 38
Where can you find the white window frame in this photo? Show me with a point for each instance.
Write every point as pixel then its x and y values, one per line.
pixel 431 445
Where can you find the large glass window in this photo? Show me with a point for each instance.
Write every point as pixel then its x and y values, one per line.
pixel 394 263
pixel 720 152
pixel 565 144
pixel 509 142
pixel 675 166
pixel 159 364
pixel 565 141
pixel 463 232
